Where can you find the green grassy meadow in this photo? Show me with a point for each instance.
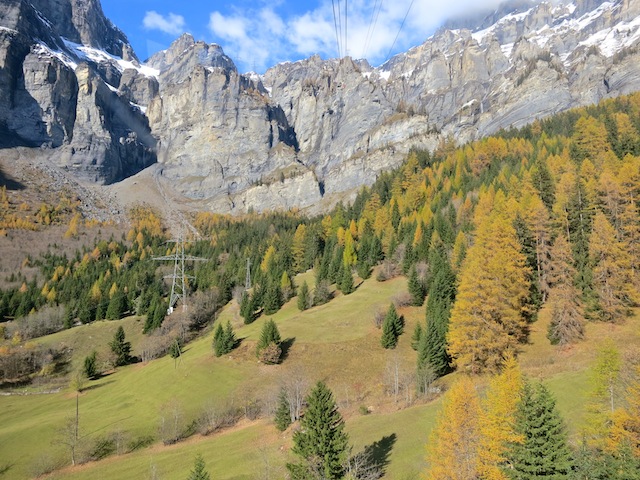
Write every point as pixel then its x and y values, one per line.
pixel 336 342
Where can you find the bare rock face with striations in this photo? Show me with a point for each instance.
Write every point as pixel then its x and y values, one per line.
pixel 62 64
pixel 219 134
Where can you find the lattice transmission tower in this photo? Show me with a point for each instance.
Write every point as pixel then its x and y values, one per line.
pixel 179 277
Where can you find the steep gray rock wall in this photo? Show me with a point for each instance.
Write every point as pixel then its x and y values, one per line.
pixel 61 97
pixel 303 133
pixel 218 132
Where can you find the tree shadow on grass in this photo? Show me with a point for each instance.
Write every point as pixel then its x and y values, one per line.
pixel 96 386
pixel 5 468
pixel 372 461
pixel 286 345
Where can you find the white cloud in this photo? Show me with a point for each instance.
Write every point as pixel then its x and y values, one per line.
pixel 172 24
pixel 259 38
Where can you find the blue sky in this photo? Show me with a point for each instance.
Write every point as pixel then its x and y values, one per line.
pixel 258 34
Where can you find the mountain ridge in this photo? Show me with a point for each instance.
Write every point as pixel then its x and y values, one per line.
pixel 318 129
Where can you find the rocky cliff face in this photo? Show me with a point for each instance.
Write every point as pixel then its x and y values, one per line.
pixel 344 122
pixel 307 132
pixel 71 86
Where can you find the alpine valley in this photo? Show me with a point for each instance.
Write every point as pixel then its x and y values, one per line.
pixel 74 95
pixel 427 270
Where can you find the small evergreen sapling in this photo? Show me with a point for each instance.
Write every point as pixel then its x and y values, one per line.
pixel 224 339
pixel 303 297
pixel 121 348
pixel 283 414
pixel 268 348
pixel 392 328
pixel 199 471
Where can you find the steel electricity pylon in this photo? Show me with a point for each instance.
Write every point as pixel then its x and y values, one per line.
pixel 179 276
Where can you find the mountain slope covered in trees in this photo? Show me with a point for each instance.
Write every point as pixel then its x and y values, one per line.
pixel 545 219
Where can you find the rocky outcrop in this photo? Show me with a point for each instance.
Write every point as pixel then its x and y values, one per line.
pixel 305 133
pixel 62 89
pixel 218 132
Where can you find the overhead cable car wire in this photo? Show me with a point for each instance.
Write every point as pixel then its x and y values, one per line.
pixel 335 25
pixel 398 34
pixel 372 26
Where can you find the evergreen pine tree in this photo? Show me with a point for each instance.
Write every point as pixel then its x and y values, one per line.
pixel 90 365
pixel 268 348
pixel 321 441
pixel 417 335
pixel 544 451
pixel 116 306
pixel 199 471
pixel 432 349
pixel 416 288
pixel 174 349
pixel 528 248
pixel 391 328
pixel 543 182
pixel 395 216
pixel 101 309
pixel 321 294
pixel 282 416
pixel 121 348
pixel 303 297
pixel 218 341
pixel 580 217
pixel 229 340
pixel 247 308
pixel 346 280
pixel 273 298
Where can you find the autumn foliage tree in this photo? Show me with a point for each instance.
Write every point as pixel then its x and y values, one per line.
pixel 488 316
pixel 452 450
pixel 567 318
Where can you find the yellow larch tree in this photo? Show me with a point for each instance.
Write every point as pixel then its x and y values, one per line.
pixel 625 427
pixel 268 259
pixel 487 318
pixel 612 276
pixel 297 247
pixel 452 451
pixel 498 420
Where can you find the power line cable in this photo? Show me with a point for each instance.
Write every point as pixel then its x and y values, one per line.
pixel 373 21
pixel 398 34
pixel 340 27
pixel 335 25
pixel 346 37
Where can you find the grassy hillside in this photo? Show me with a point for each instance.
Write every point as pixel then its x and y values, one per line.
pixel 336 342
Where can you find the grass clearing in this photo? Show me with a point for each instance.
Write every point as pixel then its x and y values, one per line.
pixel 336 342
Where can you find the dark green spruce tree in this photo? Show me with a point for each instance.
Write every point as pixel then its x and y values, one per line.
pixel 121 348
pixel 247 308
pixel 282 417
pixel 346 280
pixel 116 306
pixel 224 339
pixel 268 348
pixel 416 288
pixel 544 452
pixel 91 365
pixel 273 298
pixel 528 246
pixel 199 471
pixel 432 350
pixel 392 328
pixel 303 297
pixel 321 442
